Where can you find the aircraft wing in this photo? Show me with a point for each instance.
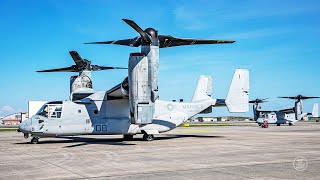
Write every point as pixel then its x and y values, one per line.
pixel 81 102
pixel 290 110
pixel 170 41
pixel 116 93
pixel 265 111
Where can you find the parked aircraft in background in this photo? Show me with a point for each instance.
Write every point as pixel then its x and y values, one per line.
pixel 283 116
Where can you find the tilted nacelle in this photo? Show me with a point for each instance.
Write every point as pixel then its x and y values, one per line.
pixel 81 86
pixel 140 99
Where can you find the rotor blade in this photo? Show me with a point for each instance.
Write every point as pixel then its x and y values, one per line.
pixel 137 28
pixel 66 69
pixel 135 42
pixel 77 59
pixel 258 100
pixel 170 41
pixel 310 97
pixel 300 97
pixel 100 68
pixel 288 97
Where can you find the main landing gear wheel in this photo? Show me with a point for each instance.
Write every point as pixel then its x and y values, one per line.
pixel 26 135
pixel 148 137
pixel 35 140
pixel 278 124
pixel 127 137
pixel 290 124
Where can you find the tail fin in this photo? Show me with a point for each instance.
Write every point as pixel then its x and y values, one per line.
pixel 203 90
pixel 238 96
pixel 315 111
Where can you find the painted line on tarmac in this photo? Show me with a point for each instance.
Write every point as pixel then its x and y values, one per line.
pixel 197 130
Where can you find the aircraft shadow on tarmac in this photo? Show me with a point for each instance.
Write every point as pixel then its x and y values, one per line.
pixel 112 141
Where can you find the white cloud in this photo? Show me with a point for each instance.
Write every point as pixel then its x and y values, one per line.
pixel 7 109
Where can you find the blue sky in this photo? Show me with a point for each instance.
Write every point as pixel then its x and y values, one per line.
pixel 276 40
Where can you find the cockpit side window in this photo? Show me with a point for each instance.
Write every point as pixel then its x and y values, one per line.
pixel 50 111
pixel 55 110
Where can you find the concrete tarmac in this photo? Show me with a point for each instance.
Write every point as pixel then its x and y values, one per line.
pixel 232 152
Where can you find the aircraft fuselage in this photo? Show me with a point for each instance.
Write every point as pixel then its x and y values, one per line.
pixel 106 118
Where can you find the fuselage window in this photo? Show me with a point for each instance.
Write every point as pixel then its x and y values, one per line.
pixel 54 110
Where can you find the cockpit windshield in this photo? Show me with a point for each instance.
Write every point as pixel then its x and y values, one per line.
pixel 43 111
pixel 50 110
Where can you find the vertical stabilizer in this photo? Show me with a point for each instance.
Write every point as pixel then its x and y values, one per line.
pixel 315 111
pixel 203 90
pixel 238 96
pixel 298 109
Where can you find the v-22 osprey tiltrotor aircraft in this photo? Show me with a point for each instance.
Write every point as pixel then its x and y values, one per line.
pixel 133 106
pixel 283 116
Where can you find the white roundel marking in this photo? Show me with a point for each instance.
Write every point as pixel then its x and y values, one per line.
pixel 170 107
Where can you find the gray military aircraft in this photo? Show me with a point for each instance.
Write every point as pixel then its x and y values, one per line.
pixel 133 106
pixel 81 85
pixel 283 116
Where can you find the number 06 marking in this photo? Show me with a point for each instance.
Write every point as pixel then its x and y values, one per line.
pixel 101 128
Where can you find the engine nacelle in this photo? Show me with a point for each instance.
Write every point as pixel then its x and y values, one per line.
pixel 140 102
pixel 80 86
pixel 81 81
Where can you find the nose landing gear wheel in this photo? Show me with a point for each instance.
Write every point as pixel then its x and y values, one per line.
pixel 34 140
pixel 148 137
pixel 26 135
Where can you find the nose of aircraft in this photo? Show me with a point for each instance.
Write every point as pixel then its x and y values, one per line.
pixel 24 126
pixel 21 126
